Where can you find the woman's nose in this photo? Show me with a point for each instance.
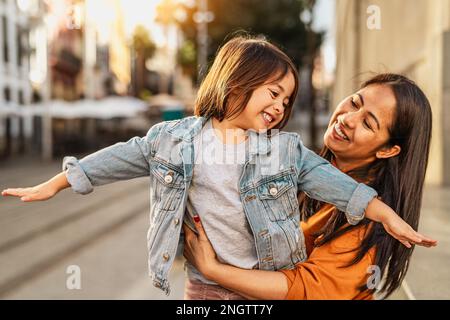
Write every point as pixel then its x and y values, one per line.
pixel 347 120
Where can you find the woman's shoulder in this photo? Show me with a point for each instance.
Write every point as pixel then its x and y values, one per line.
pixel 344 248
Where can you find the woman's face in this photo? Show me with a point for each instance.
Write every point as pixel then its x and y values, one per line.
pixel 358 129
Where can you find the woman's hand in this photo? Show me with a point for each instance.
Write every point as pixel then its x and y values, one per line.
pixel 44 191
pixel 198 250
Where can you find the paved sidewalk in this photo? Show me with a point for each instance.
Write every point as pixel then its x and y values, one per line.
pixel 105 234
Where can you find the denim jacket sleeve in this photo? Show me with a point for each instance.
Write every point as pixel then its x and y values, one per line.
pixel 320 180
pixel 121 161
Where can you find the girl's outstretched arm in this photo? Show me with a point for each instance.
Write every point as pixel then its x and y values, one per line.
pixel 43 191
pixel 122 161
pixel 394 225
pixel 323 182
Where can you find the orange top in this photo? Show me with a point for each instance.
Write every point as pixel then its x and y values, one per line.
pixel 325 274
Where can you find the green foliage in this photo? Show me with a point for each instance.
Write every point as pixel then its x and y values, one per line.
pixel 278 20
pixel 142 43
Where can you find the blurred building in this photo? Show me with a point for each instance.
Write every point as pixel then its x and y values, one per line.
pixel 412 38
pixel 119 52
pixel 15 89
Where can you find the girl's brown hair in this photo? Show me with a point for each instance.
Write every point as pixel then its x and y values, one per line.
pixel 242 65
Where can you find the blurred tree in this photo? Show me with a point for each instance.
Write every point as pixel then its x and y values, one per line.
pixel 278 20
pixel 187 56
pixel 143 49
pixel 286 23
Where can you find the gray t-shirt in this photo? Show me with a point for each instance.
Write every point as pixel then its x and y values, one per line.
pixel 214 197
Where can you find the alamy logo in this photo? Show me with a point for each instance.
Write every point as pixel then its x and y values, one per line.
pixel 374 280
pixel 374 19
pixel 73 281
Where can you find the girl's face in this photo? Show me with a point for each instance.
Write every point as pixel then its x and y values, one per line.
pixel 358 129
pixel 266 106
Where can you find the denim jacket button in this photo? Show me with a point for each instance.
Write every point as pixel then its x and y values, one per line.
pixel 176 222
pixel 166 256
pixel 273 191
pixel 168 179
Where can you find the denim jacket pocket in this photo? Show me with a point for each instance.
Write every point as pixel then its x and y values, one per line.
pixel 278 196
pixel 169 185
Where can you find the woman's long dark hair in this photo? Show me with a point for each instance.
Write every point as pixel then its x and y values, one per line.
pixel 398 180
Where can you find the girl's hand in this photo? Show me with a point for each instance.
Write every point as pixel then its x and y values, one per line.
pixel 400 230
pixel 40 192
pixel 198 250
pixel 394 225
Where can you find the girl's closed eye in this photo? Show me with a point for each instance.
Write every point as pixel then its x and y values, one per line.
pixel 275 95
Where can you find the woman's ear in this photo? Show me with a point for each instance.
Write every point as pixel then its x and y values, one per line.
pixel 388 152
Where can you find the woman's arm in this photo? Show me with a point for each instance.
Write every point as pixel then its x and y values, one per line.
pixel 325 275
pixel 253 284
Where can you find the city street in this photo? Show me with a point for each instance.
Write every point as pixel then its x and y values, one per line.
pixel 104 233
pixel 77 75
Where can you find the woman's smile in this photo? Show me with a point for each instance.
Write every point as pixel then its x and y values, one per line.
pixel 338 133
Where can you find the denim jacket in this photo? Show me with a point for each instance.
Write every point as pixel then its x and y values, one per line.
pixel 277 167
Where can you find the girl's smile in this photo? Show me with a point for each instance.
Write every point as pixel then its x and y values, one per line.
pixel 268 118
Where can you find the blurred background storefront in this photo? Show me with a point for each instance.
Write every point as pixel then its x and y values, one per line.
pixel 413 39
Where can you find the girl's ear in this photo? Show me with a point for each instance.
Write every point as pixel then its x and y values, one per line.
pixel 388 152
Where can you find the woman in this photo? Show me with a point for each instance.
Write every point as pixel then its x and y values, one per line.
pixel 380 136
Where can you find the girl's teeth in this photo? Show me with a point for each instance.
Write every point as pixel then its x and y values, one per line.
pixel 267 117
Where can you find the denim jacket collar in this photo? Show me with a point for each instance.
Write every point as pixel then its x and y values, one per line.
pixel 259 142
pixel 185 130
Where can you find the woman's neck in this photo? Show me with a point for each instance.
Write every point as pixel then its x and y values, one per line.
pixel 229 133
pixel 346 165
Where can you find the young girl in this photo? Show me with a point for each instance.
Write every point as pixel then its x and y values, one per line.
pixel 246 96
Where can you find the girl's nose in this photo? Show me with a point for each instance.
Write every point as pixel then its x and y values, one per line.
pixel 279 108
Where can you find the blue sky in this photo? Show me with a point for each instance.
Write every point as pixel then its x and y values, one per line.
pixel 324 20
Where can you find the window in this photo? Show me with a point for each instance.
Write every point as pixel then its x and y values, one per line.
pixel 21 97
pixel 7 94
pixel 5 39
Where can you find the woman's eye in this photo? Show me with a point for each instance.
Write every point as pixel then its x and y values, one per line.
pixel 366 124
pixel 353 103
pixel 274 93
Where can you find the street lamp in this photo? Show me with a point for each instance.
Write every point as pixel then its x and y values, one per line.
pixel 202 17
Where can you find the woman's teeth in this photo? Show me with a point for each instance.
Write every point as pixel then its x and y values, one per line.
pixel 267 117
pixel 337 127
